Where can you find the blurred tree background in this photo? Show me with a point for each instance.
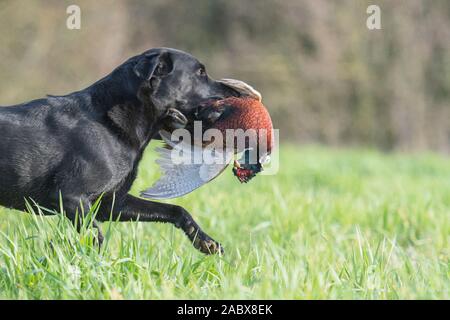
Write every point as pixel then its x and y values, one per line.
pixel 324 76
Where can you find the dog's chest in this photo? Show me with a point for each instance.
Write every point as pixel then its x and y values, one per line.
pixel 123 168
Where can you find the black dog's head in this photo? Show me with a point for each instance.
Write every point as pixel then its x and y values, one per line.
pixel 170 78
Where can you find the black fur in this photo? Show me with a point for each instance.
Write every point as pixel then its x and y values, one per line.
pixel 90 142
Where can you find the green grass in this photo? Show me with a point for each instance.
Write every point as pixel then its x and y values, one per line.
pixel 353 224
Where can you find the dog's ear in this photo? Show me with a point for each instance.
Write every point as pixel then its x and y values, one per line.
pixel 153 65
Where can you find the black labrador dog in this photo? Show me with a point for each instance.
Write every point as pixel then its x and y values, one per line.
pixel 89 143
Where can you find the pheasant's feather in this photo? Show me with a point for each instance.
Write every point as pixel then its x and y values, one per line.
pixel 178 179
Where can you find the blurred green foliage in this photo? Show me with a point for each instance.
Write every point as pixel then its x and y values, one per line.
pixel 324 76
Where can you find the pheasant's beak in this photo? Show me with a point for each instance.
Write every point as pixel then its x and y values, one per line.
pixel 242 88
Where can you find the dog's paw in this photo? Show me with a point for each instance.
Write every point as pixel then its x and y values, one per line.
pixel 207 245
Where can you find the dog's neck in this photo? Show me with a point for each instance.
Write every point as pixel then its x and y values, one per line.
pixel 128 108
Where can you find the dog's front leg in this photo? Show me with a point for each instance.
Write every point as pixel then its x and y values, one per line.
pixel 133 209
pixel 76 210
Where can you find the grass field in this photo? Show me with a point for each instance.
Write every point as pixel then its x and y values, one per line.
pixel 332 224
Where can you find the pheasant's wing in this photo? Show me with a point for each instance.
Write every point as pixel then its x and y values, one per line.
pixel 182 177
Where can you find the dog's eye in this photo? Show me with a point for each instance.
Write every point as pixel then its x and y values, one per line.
pixel 201 72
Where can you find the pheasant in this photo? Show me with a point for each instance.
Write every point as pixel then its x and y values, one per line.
pixel 234 113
